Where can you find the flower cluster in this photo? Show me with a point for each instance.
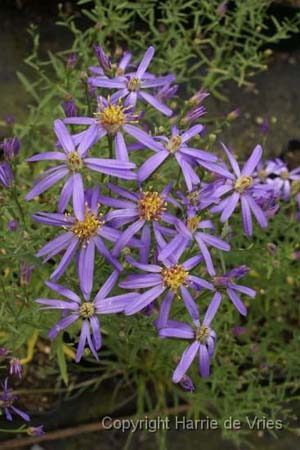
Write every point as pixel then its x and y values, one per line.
pixel 160 243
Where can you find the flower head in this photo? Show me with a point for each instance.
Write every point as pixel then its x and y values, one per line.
pixel 7 400
pixel 76 309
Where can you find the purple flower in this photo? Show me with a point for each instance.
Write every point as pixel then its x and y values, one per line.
pixel 226 284
pixel 143 210
pixel 25 273
pixel 69 108
pixel 7 399
pixel 36 431
pixel 193 229
pixel 242 189
pixel 13 225
pixel 72 61
pixel 194 114
pixel 80 240
pixel 111 119
pixel 11 147
pixel 103 59
pixel 203 341
pixel 6 175
pixel 172 278
pixel 285 180
pixel 107 69
pixel 166 92
pixel 132 86
pixel 198 98
pixel 15 367
pixel 187 383
pixel 186 157
pixel 75 309
pixel 73 161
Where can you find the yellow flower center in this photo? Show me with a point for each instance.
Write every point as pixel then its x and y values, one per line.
pixel 284 175
pixel 174 144
pixel 87 310
pixel 242 183
pixel 174 277
pixel 151 206
pixel 202 334
pixel 74 161
pixel 194 198
pixel 112 118
pixel 88 227
pixel 133 84
pixel 192 223
pixel 262 174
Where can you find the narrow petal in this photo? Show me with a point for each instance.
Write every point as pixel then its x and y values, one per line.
pixel 246 215
pixel 257 211
pixel 65 195
pixel 78 197
pixel 164 310
pixel 237 302
pixel 143 66
pixel 212 308
pixel 156 103
pixel 46 183
pixel 203 361
pixel 193 131
pixel 144 300
pixel 62 324
pixel 151 164
pixel 190 303
pixel 251 163
pixel 65 261
pixel 64 136
pixel 126 236
pixel 107 286
pixel 143 137
pixel 63 291
pixel 185 362
pixel 120 148
pixel 230 206
pixel 48 156
pixel 86 268
pixel 232 160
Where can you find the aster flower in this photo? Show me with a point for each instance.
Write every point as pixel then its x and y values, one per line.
pixel 69 107
pixel 112 119
pixel 75 309
pixel 10 147
pixel 284 181
pixel 203 342
pixel 242 188
pixel 226 284
pixel 12 225
pixel 15 367
pixel 132 86
pixel 186 157
pixel 171 278
pixel 7 399
pixel 80 240
pixel 73 160
pixel 194 229
pixel 108 69
pixel 6 175
pixel 166 92
pixel 36 431
pixel 144 210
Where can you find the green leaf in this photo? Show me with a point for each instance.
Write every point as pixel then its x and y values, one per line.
pixel 61 360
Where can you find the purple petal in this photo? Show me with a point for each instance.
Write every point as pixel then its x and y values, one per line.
pixel 151 164
pixel 126 236
pixel 65 194
pixel 65 261
pixel 143 66
pixel 48 156
pixel 251 163
pixel 144 300
pixel 120 148
pixel 203 361
pixel 185 362
pixel 189 303
pixel 156 103
pixel 257 211
pixel 246 215
pixel 62 324
pixel 237 302
pixel 232 160
pixel 212 308
pixel 164 310
pixel 64 136
pixel 46 183
pixel 230 206
pixel 143 137
pixel 63 291
pixel 193 131
pixel 78 197
pixel 86 268
pixel 107 286
pixel 96 332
